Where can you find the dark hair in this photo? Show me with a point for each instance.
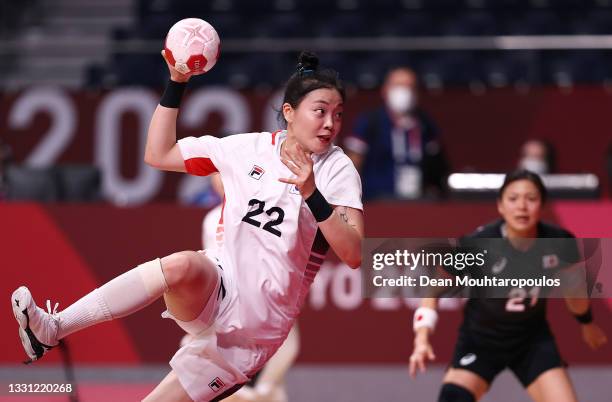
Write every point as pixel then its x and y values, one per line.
pixel 401 67
pixel 523 174
pixel 307 78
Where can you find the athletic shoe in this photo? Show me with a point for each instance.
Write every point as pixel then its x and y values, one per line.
pixel 37 327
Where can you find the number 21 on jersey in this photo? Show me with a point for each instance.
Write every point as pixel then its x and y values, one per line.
pixel 516 299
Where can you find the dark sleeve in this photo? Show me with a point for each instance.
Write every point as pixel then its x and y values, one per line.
pixel 435 164
pixel 489 230
pixel 568 249
pixel 558 243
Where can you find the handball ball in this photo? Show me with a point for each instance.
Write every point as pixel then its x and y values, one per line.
pixel 192 46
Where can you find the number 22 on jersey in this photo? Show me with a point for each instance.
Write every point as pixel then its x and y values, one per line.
pixel 276 213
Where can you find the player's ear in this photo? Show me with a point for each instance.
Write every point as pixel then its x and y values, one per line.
pixel 288 112
pixel 500 207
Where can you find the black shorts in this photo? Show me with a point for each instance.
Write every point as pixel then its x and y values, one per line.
pixel 527 360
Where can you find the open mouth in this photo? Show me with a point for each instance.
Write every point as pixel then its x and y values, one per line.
pixel 326 139
pixel 522 219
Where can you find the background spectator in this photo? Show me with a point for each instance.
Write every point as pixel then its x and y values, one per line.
pixel 396 147
pixel 538 156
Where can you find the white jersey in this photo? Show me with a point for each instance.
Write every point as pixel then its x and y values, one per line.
pixel 272 248
pixel 212 230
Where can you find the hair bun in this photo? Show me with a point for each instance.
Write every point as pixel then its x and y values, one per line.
pixel 307 62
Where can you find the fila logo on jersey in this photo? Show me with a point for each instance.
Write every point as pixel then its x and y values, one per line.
pixel 550 261
pixel 216 384
pixel 256 172
pixel 467 359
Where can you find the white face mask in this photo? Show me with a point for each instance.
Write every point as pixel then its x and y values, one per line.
pixel 534 165
pixel 400 99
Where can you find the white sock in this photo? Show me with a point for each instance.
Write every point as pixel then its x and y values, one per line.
pixel 122 296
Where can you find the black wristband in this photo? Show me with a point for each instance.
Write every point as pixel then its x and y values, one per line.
pixel 173 94
pixel 584 318
pixel 319 206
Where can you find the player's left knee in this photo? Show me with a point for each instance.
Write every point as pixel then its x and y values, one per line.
pixel 455 393
pixel 182 268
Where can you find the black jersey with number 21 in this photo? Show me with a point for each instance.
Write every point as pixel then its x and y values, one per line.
pixel 523 309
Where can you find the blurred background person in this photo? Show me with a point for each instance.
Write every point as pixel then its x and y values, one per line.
pixel 512 333
pixel 538 156
pixel 269 384
pixel 396 147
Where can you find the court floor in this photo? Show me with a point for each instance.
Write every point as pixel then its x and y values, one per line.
pixel 305 383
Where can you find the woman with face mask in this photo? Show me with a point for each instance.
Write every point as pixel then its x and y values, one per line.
pixel 513 332
pixel 397 147
pixel 537 156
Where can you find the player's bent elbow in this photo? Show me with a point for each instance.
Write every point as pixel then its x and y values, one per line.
pixel 351 257
pixel 148 159
pixel 152 161
pixel 354 262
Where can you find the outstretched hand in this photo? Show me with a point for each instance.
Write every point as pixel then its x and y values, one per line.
pixel 422 352
pixel 175 75
pixel 593 335
pixel 300 163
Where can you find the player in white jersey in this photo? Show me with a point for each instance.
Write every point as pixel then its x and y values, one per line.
pixel 269 384
pixel 212 229
pixel 289 195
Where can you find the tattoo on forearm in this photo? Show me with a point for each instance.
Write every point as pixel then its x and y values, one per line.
pixel 342 211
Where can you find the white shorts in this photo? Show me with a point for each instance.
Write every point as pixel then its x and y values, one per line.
pixel 206 370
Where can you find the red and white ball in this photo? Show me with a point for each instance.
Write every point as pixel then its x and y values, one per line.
pixel 192 46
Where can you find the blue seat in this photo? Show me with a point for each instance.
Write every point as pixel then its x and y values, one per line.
pixel 408 24
pixel 450 7
pixel 507 69
pixel 229 25
pixel 283 25
pixel 258 69
pixel 473 23
pixel 146 8
pixel 597 22
pixel 454 68
pixel 536 22
pixel 344 25
pixel 139 70
pixel 32 184
pixel 564 5
pixel 154 27
pixel 583 66
pixel 79 183
pixel 497 5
